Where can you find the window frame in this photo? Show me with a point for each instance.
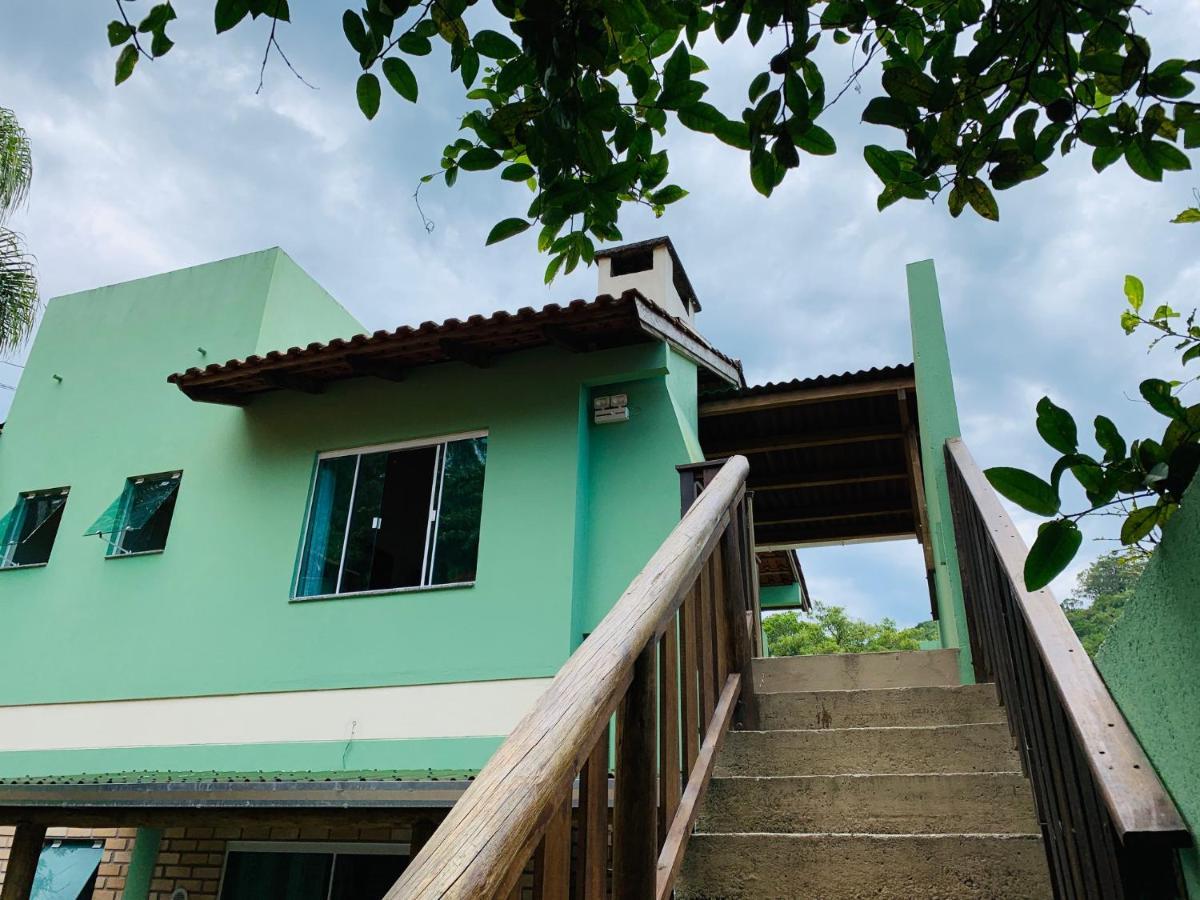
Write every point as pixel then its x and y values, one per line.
pixel 438 441
pixel 8 547
pixel 333 848
pixel 117 538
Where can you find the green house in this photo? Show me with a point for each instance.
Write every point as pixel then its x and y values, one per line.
pixel 273 589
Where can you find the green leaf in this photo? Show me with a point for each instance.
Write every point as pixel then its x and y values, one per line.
pixel 160 44
pixel 125 63
pixel 477 159
pixel 470 67
pixel 1056 545
pixel 1135 292
pixel 356 33
pixel 817 141
pixel 889 111
pixel 1109 439
pixel 495 45
pixel 400 76
pixel 228 13
pixel 908 85
pixel 1191 214
pixel 507 229
pixel 1139 523
pixel 368 92
pixel 979 195
pixel 553 267
pixel 882 163
pixel 1158 394
pixel 1169 157
pixel 735 134
pixel 1057 427
pixel 118 33
pixel 1141 162
pixel 1024 489
pixel 669 194
pixel 156 20
pixel 702 117
pixel 414 44
pixel 517 172
pixel 758 86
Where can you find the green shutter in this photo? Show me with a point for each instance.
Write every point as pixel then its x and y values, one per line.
pixel 110 520
pixel 148 498
pixel 64 870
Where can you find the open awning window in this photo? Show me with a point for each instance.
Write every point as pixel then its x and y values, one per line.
pixel 66 870
pixel 27 531
pixel 139 519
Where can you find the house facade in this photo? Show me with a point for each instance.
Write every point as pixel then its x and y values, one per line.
pixel 356 563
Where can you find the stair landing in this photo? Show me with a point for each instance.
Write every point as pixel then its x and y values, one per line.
pixel 874 775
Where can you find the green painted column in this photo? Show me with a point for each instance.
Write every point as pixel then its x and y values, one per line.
pixel 937 415
pixel 141 863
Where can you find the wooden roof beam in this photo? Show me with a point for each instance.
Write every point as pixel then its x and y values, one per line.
pixel 801 396
pixel 459 351
pixel 831 514
pixel 376 367
pixel 825 479
pixel 799 442
pixel 563 337
pixel 294 381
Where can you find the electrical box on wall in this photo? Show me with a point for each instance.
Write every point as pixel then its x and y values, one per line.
pixel 613 408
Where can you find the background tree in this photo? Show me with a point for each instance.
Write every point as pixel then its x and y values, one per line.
pixel 1099 599
pixel 574 98
pixel 18 286
pixel 829 629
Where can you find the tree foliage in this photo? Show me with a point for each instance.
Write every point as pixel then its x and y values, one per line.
pixel 1142 481
pixel 1102 591
pixel 575 98
pixel 18 284
pixel 829 629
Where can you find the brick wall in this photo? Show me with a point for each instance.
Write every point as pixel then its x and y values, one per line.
pixel 191 857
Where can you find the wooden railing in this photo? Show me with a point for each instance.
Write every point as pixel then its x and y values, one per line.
pixel 669 662
pixel 1110 828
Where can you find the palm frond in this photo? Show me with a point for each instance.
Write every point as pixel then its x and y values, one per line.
pixel 16 163
pixel 18 291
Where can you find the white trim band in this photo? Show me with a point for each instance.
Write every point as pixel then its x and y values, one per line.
pixel 461 709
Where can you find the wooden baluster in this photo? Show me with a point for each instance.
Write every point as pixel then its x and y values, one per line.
pixel 635 834
pixel 552 862
pixel 669 775
pixel 704 639
pixel 591 882
pixel 23 860
pixel 736 608
pixel 689 667
pixel 721 630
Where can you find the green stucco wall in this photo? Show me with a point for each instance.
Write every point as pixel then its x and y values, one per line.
pixel 571 510
pixel 1151 663
pixel 937 414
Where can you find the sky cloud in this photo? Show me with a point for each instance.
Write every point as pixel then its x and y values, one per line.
pixel 186 163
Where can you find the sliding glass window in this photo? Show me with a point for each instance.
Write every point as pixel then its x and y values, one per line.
pixel 394 517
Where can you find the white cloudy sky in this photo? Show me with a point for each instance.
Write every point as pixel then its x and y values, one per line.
pixel 185 163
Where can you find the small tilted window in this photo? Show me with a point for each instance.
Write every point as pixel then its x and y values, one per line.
pixel 27 531
pixel 390 518
pixel 140 518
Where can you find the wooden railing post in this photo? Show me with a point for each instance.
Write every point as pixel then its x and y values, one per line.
pixel 1110 829
pixel 22 861
pixel 678 632
pixel 634 814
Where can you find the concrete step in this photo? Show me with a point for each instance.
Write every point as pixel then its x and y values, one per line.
pixel 961 705
pixel 867 751
pixel 856 671
pixel 850 867
pixel 992 803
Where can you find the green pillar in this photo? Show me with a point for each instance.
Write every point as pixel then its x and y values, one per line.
pixel 141 863
pixel 938 419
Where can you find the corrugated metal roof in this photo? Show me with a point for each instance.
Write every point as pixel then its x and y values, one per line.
pixel 862 376
pixel 213 777
pixel 580 326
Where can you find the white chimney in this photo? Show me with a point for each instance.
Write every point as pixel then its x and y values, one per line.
pixel 652 268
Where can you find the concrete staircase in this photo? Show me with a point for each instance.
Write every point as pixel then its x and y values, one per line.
pixel 875 775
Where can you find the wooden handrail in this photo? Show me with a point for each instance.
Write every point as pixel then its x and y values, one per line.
pixel 688 597
pixel 1100 801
